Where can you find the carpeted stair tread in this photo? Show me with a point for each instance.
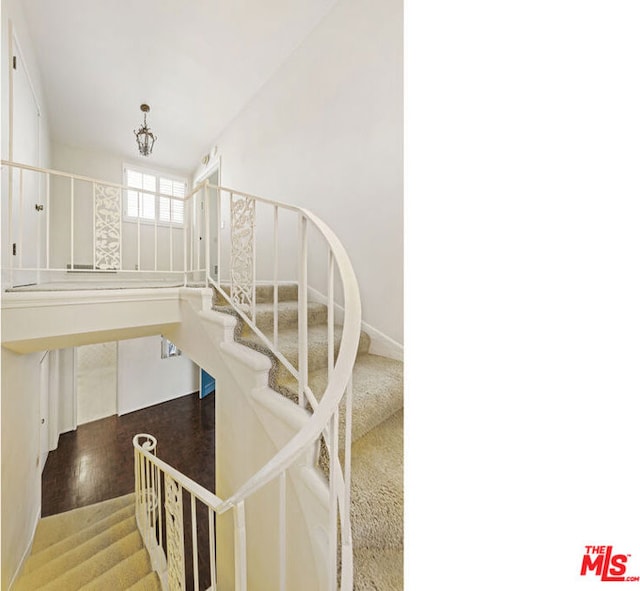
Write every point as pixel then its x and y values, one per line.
pixel 149 583
pixel 377 435
pixel 264 293
pixel 287 316
pixel 99 563
pixel 78 555
pixel 124 574
pixel 54 528
pixel 79 537
pixel 377 391
pixel 317 338
pixel 377 486
pixel 378 570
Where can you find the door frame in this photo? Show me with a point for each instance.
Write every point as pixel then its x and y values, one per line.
pixel 44 414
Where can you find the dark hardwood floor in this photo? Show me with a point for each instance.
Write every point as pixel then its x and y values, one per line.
pixel 95 462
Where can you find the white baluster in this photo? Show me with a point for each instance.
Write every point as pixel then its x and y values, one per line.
pixel 72 220
pixel 333 502
pixel 171 237
pixel 95 258
pixel 330 316
pixel 48 196
pixel 303 345
pixel 275 276
pixel 219 233
pixel 240 547
pixel 212 552
pixel 283 531
pixel 194 543
pixel 21 218
pixel 207 233
pixel 155 236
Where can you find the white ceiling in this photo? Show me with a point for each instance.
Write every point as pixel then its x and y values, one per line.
pixel 195 62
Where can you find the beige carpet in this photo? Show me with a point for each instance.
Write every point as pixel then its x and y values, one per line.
pixel 92 548
pixel 377 450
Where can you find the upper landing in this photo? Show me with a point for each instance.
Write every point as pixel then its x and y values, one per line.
pixel 64 314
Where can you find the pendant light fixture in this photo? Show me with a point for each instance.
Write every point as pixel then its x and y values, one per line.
pixel 144 137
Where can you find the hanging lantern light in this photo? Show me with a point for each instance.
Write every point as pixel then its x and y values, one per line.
pixel 144 137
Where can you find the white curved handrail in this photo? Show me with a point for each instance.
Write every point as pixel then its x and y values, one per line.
pixel 337 383
pixel 323 422
pixel 201 493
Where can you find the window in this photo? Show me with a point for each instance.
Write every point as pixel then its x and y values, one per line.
pixel 168 207
pixel 168 349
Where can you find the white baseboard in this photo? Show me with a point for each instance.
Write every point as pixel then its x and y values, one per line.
pixel 381 344
pixel 27 551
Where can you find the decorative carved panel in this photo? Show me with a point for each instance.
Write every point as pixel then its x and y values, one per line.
pixel 243 219
pixel 175 534
pixel 107 227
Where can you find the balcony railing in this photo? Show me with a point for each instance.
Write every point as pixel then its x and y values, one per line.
pixel 60 223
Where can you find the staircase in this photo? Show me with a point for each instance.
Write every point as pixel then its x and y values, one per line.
pixel 93 548
pixel 99 547
pixel 334 379
pixel 377 428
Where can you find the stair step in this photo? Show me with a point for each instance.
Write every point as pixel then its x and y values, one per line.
pixel 124 574
pixel 378 569
pixel 377 487
pixel 287 316
pixel 77 556
pixel 149 583
pixel 264 293
pixel 317 345
pixel 37 560
pixel 85 572
pixel 377 391
pixel 54 528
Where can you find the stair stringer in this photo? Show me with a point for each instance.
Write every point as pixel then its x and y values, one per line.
pixel 252 423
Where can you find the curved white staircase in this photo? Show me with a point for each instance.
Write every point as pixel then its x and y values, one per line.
pixel 377 430
pixel 308 399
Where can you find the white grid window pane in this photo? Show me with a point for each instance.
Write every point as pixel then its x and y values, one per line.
pixel 164 211
pixel 132 204
pixel 177 211
pixel 148 206
pixel 166 186
pixel 143 205
pixel 134 179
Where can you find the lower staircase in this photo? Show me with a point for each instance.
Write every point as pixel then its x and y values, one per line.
pixel 99 547
pixel 377 428
pixel 93 548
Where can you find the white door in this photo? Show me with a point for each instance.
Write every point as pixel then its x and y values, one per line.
pixel 27 221
pixel 44 410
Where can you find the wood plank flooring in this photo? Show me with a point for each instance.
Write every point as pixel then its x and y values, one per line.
pixel 95 462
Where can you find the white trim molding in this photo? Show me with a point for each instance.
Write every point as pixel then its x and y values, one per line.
pixel 381 344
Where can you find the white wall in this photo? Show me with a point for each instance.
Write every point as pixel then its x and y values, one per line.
pixel 20 406
pixel 145 379
pixel 62 411
pixel 107 167
pixel 21 484
pixel 12 13
pixel 326 133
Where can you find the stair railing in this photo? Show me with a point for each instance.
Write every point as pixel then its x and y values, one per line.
pixel 246 215
pixel 93 213
pixel 59 222
pixel 159 486
pixel 240 211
